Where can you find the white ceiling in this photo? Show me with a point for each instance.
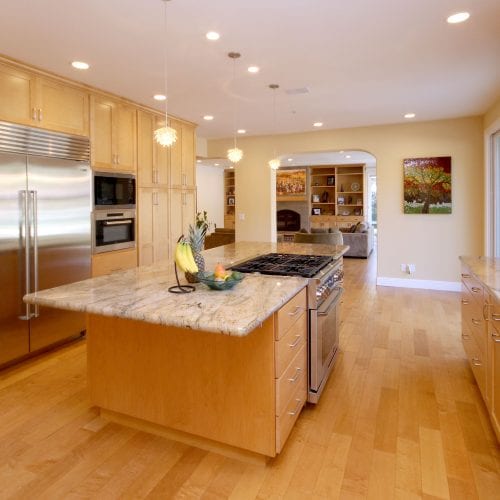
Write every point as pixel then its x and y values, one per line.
pixel 364 62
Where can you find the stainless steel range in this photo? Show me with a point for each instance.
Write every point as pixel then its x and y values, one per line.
pixel 324 291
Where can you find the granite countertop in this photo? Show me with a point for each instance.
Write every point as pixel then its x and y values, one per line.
pixel 142 293
pixel 486 270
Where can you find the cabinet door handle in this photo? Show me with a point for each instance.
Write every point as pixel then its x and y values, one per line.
pixel 296 376
pixel 475 289
pixel 476 362
pixel 465 336
pixel 466 275
pixel 476 321
pixel 495 334
pixel 295 311
pixel 495 317
pixel 297 408
pixel 297 340
pixel 118 159
pixel 33 113
pixel 40 115
pixel 465 302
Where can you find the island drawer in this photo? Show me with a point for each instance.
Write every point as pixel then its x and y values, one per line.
pixel 290 313
pixel 473 286
pixel 472 316
pixel 289 345
pixel 285 421
pixel 111 262
pixel 292 377
pixel 476 359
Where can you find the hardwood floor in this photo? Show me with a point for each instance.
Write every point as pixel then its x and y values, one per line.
pixel 401 417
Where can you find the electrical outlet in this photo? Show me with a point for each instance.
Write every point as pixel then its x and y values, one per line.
pixel 241 216
pixel 403 268
pixel 411 268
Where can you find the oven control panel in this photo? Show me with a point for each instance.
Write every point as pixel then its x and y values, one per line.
pixel 328 286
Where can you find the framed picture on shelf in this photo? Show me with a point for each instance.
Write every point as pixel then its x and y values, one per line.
pixel 315 198
pixel 316 211
pixel 330 180
pixel 230 200
pixel 291 185
pixel 340 200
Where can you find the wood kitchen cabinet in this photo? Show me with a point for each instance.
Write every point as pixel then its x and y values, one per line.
pixel 153 159
pixel 182 156
pixel 182 213
pixel 113 134
pixel 493 365
pixel 111 262
pixel 29 99
pixel 153 237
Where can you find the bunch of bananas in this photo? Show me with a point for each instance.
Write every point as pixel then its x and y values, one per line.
pixel 184 257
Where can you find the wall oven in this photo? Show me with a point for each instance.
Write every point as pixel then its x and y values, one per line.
pixel 113 230
pixel 114 190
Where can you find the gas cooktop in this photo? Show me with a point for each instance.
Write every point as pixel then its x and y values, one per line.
pixel 285 264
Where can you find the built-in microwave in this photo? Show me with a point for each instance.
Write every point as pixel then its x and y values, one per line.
pixel 114 190
pixel 113 230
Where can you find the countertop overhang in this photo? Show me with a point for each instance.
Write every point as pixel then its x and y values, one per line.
pixel 486 270
pixel 142 293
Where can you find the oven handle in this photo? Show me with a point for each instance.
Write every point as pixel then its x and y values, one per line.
pixel 116 222
pixel 333 303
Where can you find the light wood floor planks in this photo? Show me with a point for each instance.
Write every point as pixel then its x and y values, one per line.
pixel 401 417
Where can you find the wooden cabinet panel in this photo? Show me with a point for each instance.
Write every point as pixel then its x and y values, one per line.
pixel 17 94
pixel 161 225
pixel 176 156
pixel 111 262
pixel 182 213
pixel 477 360
pixel 182 153
pixel 290 344
pixel 145 242
pixel 290 312
pixel 62 107
pixel 102 133
pixel 125 140
pixel 494 373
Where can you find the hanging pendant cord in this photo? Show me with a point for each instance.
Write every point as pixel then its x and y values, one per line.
pixel 234 106
pixel 165 41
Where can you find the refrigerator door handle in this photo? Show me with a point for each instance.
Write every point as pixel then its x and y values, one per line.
pixel 24 235
pixel 34 197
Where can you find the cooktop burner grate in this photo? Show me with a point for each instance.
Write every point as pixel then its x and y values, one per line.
pixel 285 264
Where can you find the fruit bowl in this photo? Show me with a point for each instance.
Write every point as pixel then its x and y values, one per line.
pixel 208 278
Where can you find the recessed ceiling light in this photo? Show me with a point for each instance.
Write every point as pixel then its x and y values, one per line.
pixel 253 69
pixel 410 115
pixel 459 17
pixel 212 35
pixel 80 65
pixel 198 161
pixel 347 156
pixel 231 166
pixel 341 152
pixel 208 118
pixel 216 164
pixel 241 131
pixel 318 124
pixel 290 159
pixel 159 97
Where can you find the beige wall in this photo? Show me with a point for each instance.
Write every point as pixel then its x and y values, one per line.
pixel 432 242
pixel 492 115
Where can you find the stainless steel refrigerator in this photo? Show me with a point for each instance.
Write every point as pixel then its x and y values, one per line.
pixel 45 233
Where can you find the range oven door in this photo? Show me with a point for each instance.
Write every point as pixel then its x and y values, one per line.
pixel 324 325
pixel 113 230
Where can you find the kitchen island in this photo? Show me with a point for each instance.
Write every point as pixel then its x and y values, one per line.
pixel 219 369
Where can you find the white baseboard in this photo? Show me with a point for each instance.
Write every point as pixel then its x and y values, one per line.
pixel 449 286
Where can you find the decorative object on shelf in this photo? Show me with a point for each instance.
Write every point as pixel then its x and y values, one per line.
pixel 315 198
pixel 355 186
pixel 341 188
pixel 316 211
pixel 185 261
pixel 165 136
pixel 345 212
pixel 427 185
pixel 197 234
pixel 230 200
pixel 330 180
pixel 340 200
pixel 275 162
pixel 234 154
pixel 291 185
pixel 349 200
pixel 325 197
pixel 357 211
pixel 359 201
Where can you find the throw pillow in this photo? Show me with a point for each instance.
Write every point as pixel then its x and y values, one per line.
pixel 361 227
pixel 353 229
pixel 303 230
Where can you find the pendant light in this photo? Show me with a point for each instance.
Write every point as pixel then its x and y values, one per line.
pixel 275 162
pixel 234 154
pixel 165 136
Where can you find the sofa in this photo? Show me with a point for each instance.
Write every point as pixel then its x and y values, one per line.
pixel 360 241
pixel 324 238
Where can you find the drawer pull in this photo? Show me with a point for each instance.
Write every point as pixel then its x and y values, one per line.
pixel 296 311
pixel 495 316
pixel 297 340
pixel 297 408
pixel 465 302
pixel 476 321
pixel 495 335
pixel 296 376
pixel 466 275
pixel 476 362
pixel 465 336
pixel 475 289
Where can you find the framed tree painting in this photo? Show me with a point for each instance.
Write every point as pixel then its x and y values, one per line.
pixel 427 185
pixel 291 185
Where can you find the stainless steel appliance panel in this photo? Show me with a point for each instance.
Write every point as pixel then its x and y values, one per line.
pixel 113 230
pixel 14 327
pixel 60 205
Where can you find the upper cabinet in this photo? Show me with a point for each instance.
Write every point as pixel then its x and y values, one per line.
pixel 182 164
pixel 42 102
pixel 152 159
pixel 113 134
